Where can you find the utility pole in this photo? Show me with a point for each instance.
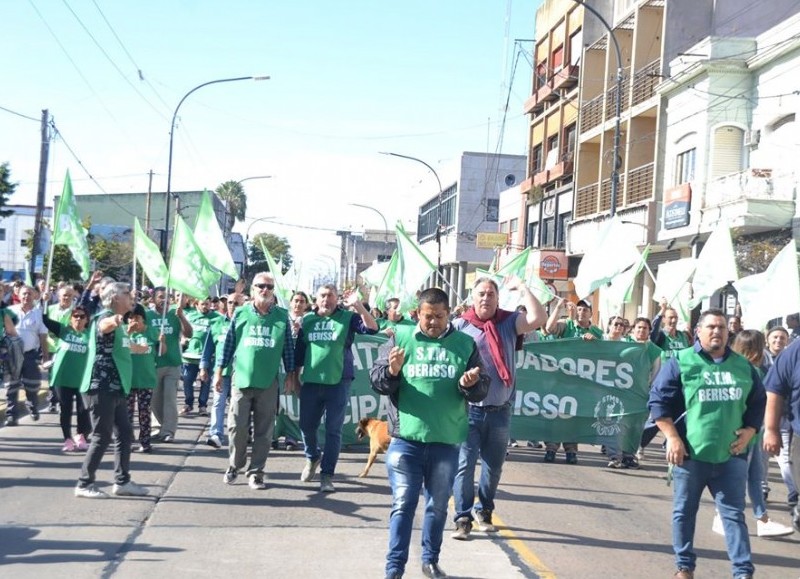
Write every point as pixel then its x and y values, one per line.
pixel 44 154
pixel 147 213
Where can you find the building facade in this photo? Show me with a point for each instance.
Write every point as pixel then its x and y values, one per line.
pixel 15 231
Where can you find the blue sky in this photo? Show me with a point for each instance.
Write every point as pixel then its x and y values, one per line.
pixel 348 79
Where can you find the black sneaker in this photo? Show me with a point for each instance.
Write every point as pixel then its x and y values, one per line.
pixel 230 475
pixel 35 414
pixel 572 458
pixel 52 409
pixel 463 528
pixel 11 420
pixel 630 462
pixel 483 521
pixel 550 456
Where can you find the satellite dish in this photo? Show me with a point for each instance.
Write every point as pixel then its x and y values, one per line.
pixel 510 180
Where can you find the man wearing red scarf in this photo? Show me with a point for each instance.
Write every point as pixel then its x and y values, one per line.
pixel 497 334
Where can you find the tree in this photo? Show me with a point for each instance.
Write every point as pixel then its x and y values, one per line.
pixel 235 199
pixel 278 248
pixel 755 252
pixel 7 189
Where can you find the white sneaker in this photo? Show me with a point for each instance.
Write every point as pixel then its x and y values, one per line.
pixel 129 489
pixel 640 454
pixel 772 529
pixel 310 469
pixel 256 481
pixel 90 492
pixel 716 526
pixel 326 484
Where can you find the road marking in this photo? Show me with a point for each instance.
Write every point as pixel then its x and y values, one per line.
pixel 528 556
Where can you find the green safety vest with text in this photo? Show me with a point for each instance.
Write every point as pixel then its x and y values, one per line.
pixel 70 358
pixel 325 337
pixel 259 346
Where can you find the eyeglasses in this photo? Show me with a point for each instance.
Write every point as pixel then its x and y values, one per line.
pixel 262 286
pixel 79 316
pixel 618 324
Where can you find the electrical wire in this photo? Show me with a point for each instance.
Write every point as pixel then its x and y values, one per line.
pixel 20 114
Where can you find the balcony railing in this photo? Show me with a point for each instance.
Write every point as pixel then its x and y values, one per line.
pixel 566 77
pixel 640 184
pixel 760 184
pixel 586 200
pixel 611 96
pixel 592 113
pixel 645 81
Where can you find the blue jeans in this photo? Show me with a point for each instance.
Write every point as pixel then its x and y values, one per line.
pixel 412 466
pixel 218 408
pixel 189 375
pixel 726 481
pixel 316 399
pixel 755 478
pixel 487 438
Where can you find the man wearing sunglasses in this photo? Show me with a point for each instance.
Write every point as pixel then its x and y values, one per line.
pixel 259 337
pixel 324 351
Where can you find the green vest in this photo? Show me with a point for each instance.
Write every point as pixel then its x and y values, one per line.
pixel 70 358
pixel 172 334
pixel 671 345
pixel 121 354
pixel 573 330
pixel 144 365
pixel 259 346
pixel 201 326
pixel 325 338
pixel 716 399
pixel 385 323
pixel 430 407
pixel 55 313
pixel 653 351
pixel 219 331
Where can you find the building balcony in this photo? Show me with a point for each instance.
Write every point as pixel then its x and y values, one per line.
pixel 640 183
pixel 645 81
pixel 532 105
pixel 592 113
pixel 563 168
pixel 526 186
pixel 638 226
pixel 754 200
pixel 546 93
pixel 566 78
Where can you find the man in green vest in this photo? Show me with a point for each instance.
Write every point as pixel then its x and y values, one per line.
pixel 393 317
pixel 428 371
pixel 202 318
pixel 665 333
pixel 724 400
pixel 259 337
pixel 323 350
pixel 173 325
pixel 106 383
pixel 577 325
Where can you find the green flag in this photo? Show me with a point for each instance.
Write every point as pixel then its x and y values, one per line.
pixel 611 252
pixel 523 266
pixel 189 271
pixel 214 247
pixel 754 291
pixel 149 257
pixel 407 271
pixel 68 229
pixel 283 293
pixel 716 266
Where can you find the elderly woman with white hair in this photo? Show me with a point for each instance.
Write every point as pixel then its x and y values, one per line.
pixel 106 384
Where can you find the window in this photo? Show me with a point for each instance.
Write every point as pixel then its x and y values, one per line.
pixel 684 166
pixel 513 226
pixel 561 234
pixel 492 210
pixel 570 133
pixel 536 159
pixel 2 234
pixel 557 59
pixel 727 151
pixel 23 242
pixel 429 215
pixel 576 47
pixel 533 232
pixel 552 152
pixel 541 75
pixel 548 233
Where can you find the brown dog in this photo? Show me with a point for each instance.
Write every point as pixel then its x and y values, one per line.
pixel 379 439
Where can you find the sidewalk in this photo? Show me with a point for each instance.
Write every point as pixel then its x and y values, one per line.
pixel 194 524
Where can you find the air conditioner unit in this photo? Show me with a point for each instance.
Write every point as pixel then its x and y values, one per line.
pixel 752 138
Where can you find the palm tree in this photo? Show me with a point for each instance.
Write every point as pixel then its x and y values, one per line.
pixel 235 199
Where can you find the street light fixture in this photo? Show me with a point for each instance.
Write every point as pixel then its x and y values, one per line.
pixel 617 107
pixel 168 196
pixel 439 207
pixel 385 225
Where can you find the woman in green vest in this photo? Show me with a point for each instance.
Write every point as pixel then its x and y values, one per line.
pixel 143 376
pixel 106 383
pixel 66 376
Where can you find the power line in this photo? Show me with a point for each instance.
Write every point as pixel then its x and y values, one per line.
pixel 111 60
pixel 20 114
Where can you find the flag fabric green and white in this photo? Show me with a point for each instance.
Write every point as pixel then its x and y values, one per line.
pixel 716 266
pixel 613 297
pixel 610 254
pixel 68 229
pixel 149 257
pixel 214 247
pixel 407 271
pixel 672 284
pixel 189 272
pixel 283 293
pixel 374 274
pixel 757 293
pixel 523 266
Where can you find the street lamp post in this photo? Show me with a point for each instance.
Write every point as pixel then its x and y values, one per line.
pixel 617 107
pixel 385 225
pixel 247 240
pixel 168 196
pixel 438 209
